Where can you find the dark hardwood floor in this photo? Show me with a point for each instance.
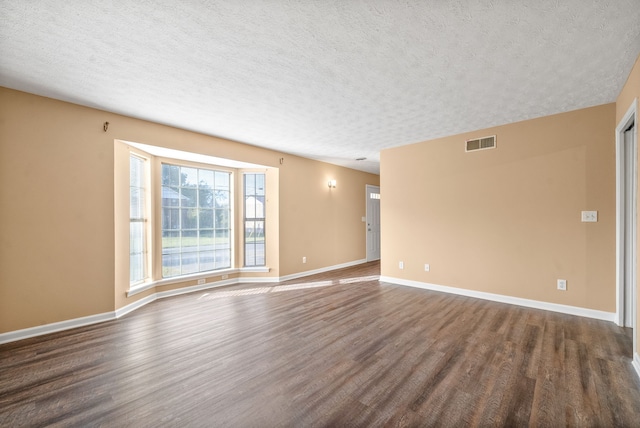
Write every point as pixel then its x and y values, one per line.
pixel 336 349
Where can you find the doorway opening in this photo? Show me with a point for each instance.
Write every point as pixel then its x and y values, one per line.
pixel 626 222
pixel 373 222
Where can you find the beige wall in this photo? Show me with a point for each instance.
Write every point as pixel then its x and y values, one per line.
pixel 319 234
pixel 507 220
pixel 629 93
pixel 56 212
pixel 59 256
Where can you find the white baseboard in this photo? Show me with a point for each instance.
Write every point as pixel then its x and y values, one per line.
pixel 321 270
pixel 536 304
pixel 26 333
pixel 636 362
pixel 13 336
pixel 135 305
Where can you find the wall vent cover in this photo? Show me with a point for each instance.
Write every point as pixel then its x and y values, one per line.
pixel 480 144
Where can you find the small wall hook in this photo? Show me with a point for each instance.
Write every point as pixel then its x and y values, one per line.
pixel 105 126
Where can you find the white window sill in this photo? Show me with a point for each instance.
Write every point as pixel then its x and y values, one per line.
pixel 139 288
pixel 259 269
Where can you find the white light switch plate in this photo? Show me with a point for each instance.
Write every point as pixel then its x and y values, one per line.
pixel 589 216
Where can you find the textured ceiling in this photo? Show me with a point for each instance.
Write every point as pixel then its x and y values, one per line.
pixel 328 80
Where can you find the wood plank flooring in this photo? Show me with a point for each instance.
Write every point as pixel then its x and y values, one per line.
pixel 336 349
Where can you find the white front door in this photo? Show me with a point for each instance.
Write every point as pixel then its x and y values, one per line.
pixel 373 222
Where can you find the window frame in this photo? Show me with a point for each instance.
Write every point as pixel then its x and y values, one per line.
pixel 196 210
pixel 143 207
pixel 255 219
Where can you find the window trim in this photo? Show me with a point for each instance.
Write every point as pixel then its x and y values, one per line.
pixel 146 212
pixel 263 219
pixel 231 211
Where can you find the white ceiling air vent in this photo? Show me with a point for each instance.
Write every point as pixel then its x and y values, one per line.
pixel 480 144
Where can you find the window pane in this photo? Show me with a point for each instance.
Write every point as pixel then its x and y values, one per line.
pixel 136 251
pixel 189 197
pixel 206 178
pixel 170 218
pixel 189 218
pixel 223 259
pixel 170 265
pixel 207 260
pixel 259 184
pixel 188 177
pixel 222 180
pixel 136 268
pixel 206 240
pixel 206 219
pixel 189 241
pixel 170 175
pixel 136 237
pixel 189 263
pixel 170 196
pixel 259 231
pixel 222 219
pixel 170 242
pixel 222 238
pixel 136 202
pixel 259 202
pixel 250 207
pixel 222 199
pixel 260 258
pixel 250 184
pixel 135 172
pixel 196 237
pixel 249 231
pixel 205 197
pixel 249 254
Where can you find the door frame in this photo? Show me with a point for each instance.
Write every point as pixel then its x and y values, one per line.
pixel 367 191
pixel 630 117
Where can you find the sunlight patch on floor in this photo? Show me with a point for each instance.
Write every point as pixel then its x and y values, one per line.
pixel 286 287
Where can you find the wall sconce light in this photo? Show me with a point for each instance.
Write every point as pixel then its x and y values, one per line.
pixel 332 184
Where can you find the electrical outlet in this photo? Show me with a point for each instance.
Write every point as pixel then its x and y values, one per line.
pixel 201 281
pixel 589 216
pixel 401 265
pixel 304 260
pixel 427 267
pixel 562 284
